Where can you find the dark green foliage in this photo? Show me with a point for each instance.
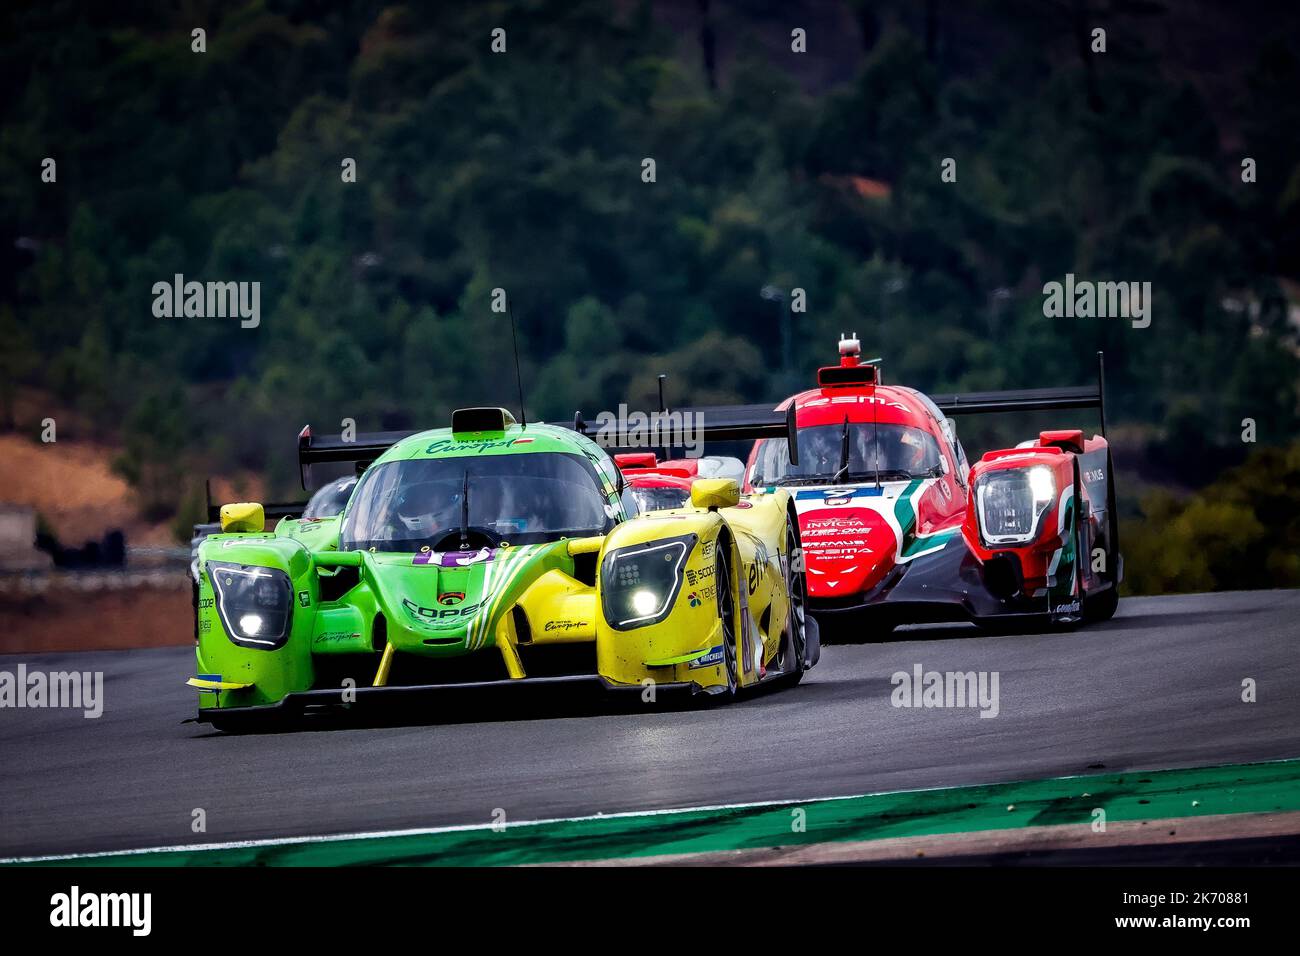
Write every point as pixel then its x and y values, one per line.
pixel 523 171
pixel 1240 532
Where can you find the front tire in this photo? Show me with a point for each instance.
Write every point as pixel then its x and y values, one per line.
pixel 794 648
pixel 231 724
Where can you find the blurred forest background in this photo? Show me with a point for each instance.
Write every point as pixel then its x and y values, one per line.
pixel 522 170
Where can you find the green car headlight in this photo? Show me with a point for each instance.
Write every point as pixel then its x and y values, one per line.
pixel 640 583
pixel 255 604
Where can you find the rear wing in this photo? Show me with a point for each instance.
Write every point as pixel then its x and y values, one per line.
pixel 363 449
pixel 1030 399
pixel 668 428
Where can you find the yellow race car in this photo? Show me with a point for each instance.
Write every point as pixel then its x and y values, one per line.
pixel 496 553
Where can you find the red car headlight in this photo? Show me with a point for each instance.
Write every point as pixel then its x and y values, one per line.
pixel 1010 502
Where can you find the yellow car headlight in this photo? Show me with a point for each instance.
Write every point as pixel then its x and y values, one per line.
pixel 640 583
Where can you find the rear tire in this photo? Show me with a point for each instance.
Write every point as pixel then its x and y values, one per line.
pixel 1101 607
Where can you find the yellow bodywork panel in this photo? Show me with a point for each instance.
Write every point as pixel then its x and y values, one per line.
pixel 559 610
pixel 506 642
pixel 713 639
pixel 685 645
pixel 754 532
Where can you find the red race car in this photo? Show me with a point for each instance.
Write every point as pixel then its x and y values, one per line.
pixel 897 527
pixel 663 485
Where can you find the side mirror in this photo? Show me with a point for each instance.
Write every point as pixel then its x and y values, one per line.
pixel 578 546
pixel 714 493
pixel 243 516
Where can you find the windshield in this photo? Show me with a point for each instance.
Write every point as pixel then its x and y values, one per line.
pixel 660 499
pixel 526 499
pixel 330 500
pixel 716 466
pixel 902 452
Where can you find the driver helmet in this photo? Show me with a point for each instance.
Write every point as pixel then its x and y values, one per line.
pixel 821 450
pixel 912 449
pixel 422 511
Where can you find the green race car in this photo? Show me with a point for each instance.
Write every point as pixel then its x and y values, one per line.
pixel 493 553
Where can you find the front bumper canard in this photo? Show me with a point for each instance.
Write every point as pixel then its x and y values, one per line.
pixel 214 684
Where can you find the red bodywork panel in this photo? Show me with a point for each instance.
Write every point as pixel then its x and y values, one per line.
pixel 643 470
pixel 637 464
pixel 1036 557
pixel 852 541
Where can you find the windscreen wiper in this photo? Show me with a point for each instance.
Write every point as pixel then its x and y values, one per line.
pixel 844 452
pixel 464 513
pixel 802 480
pixel 889 474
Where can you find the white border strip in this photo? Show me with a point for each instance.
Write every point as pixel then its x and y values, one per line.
pixel 621 815
pixel 429 831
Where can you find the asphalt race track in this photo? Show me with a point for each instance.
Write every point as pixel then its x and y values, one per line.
pixel 1158 687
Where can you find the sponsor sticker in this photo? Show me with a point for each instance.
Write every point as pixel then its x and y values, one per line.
pixel 711 659
pixel 439 616
pixel 694 577
pixel 335 637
